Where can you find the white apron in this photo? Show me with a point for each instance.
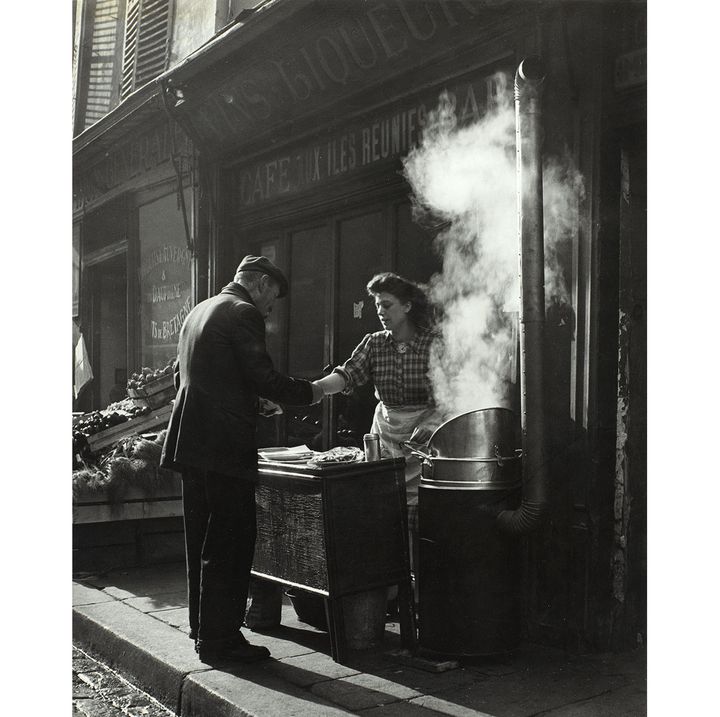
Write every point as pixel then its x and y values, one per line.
pixel 394 425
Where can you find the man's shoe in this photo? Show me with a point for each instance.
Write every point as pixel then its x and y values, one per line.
pixel 238 649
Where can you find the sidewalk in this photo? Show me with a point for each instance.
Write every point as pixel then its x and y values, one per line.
pixel 135 620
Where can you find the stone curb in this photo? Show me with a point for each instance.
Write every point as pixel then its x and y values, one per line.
pixel 153 654
pixel 162 662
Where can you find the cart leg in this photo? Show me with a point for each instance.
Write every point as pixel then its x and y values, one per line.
pixel 406 610
pixel 265 611
pixel 336 625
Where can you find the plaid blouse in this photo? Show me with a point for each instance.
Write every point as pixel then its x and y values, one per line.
pixel 398 370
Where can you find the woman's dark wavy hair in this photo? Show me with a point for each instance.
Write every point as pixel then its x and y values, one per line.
pixel 404 290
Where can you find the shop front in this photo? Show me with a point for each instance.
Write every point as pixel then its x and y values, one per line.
pixel 134 285
pixel 131 230
pixel 290 137
pixel 333 211
pixel 305 141
pixel 305 124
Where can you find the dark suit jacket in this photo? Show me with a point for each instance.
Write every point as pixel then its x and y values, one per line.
pixel 222 368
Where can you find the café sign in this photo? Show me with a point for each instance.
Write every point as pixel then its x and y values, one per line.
pixel 377 138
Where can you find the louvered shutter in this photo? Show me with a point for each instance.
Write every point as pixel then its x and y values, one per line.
pixel 132 21
pixel 101 92
pixel 147 33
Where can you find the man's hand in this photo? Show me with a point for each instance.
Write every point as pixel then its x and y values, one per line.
pixel 267 408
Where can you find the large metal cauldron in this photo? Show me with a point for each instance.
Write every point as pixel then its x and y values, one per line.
pixel 468 571
pixel 472 451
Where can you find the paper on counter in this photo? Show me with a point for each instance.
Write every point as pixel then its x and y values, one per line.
pixel 284 454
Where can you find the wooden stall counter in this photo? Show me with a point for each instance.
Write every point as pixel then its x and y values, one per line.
pixel 336 530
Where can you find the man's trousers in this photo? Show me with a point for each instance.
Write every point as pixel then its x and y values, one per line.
pixel 219 516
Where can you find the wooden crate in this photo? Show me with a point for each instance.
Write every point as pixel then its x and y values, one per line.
pixel 94 507
pixel 111 435
pixel 155 394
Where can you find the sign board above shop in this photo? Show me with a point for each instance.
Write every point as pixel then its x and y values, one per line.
pixel 134 158
pixel 318 57
pixel 387 134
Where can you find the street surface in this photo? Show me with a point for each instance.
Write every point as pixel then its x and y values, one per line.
pixel 99 691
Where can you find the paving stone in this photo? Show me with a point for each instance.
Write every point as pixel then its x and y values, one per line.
pixel 279 646
pixel 525 693
pixel 628 663
pixel 84 595
pixel 146 581
pixel 80 690
pixel 381 684
pixel 309 669
pixel 356 694
pixel 91 677
pixel 447 707
pixel 175 616
pixel 402 709
pixel 158 601
pixel 99 691
pixel 629 701
pixel 429 682
pixel 288 641
pixel 247 692
pixel 96 707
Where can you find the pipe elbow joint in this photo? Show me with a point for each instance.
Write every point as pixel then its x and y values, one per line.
pixel 524 520
pixel 529 78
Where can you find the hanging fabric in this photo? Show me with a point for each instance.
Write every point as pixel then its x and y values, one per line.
pixel 83 369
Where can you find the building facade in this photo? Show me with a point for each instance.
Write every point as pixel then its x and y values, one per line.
pixel 284 130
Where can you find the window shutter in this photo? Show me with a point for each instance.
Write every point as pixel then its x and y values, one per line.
pixel 132 21
pixel 101 80
pixel 147 35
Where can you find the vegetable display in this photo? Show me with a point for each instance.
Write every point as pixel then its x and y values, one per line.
pixel 147 375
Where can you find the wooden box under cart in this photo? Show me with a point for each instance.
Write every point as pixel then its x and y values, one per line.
pixel 337 530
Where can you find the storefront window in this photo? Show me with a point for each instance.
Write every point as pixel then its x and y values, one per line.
pixel 165 279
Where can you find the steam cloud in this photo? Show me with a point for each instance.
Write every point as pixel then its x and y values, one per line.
pixel 464 179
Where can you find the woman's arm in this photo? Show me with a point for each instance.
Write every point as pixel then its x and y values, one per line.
pixel 354 372
pixel 333 383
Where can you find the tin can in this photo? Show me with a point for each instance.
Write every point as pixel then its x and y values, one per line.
pixel 371 441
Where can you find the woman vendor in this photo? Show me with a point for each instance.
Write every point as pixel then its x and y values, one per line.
pixel 396 360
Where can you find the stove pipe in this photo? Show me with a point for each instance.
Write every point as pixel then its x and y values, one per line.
pixel 529 80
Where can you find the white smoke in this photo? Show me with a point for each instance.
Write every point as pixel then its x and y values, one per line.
pixel 465 179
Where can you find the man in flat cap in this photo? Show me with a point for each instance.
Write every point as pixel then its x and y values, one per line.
pixel 222 369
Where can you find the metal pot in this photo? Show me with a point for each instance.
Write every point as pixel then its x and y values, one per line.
pixel 472 451
pixel 477 434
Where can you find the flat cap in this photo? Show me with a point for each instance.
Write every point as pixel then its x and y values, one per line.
pixel 265 266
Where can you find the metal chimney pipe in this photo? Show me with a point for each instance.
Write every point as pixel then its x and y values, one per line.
pixel 529 80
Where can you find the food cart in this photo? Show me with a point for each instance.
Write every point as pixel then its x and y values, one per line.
pixel 336 530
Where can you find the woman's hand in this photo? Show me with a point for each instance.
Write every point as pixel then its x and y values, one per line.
pixel 317 391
